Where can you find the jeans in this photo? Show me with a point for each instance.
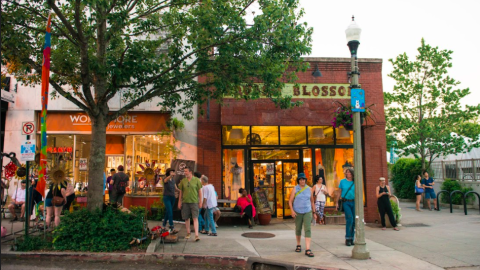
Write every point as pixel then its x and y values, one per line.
pixel 168 201
pixel 209 223
pixel 350 218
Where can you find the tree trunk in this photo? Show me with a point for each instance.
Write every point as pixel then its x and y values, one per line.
pixel 97 162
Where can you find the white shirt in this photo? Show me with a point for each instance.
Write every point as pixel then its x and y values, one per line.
pixel 19 195
pixel 320 196
pixel 208 192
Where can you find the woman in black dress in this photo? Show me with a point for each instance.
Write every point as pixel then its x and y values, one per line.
pixel 384 206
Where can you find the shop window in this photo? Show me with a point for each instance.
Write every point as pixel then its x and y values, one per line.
pixel 344 136
pixel 331 163
pixel 320 135
pixel 149 160
pixel 263 135
pixel 307 166
pixel 233 172
pixel 293 135
pixel 235 135
pixel 275 154
pixel 82 159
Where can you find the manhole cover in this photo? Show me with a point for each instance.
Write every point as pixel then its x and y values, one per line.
pixel 415 225
pixel 258 235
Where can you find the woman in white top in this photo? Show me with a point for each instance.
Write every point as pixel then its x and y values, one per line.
pixel 319 191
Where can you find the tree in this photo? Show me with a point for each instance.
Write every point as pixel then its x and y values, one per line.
pixel 423 112
pixel 146 49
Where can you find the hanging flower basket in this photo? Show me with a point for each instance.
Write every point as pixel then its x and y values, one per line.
pixel 343 116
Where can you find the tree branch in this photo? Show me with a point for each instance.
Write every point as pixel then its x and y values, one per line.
pixel 64 20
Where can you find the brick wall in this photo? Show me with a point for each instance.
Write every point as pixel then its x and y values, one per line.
pixel 312 112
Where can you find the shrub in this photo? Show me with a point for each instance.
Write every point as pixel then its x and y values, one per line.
pixel 33 243
pixel 97 231
pixel 451 185
pixel 403 177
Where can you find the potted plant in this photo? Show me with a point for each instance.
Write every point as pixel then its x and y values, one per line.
pixel 335 218
pixel 343 116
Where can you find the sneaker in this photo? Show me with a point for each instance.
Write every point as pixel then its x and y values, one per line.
pixel 216 226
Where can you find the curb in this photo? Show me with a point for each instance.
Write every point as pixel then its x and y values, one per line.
pixel 257 263
pixel 189 259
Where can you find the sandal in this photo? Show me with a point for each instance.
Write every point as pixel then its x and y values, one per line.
pixel 298 249
pixel 396 229
pixel 197 238
pixel 212 234
pixel 309 253
pixel 203 232
pixel 384 228
pixel 187 236
pixel 250 226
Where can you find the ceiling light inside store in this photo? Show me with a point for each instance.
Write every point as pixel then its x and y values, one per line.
pixel 307 159
pixel 317 133
pixel 236 134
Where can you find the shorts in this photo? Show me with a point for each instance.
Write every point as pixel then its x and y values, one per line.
pixel 215 209
pixel 416 194
pixel 189 209
pixel 48 202
pixel 430 195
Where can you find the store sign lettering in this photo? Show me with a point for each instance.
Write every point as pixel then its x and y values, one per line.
pixel 59 149
pixel 308 90
pixel 119 123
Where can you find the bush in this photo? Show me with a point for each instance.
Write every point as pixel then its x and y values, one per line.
pixel 33 243
pixel 97 231
pixel 451 185
pixel 403 177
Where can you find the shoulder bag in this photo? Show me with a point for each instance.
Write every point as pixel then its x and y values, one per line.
pixel 417 189
pixel 57 200
pixel 341 200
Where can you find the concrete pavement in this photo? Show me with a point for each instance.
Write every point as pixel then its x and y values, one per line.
pixel 427 240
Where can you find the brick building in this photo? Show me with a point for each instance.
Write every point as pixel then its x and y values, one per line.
pixel 256 145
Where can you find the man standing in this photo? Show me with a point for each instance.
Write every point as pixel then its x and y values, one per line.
pixel 191 198
pixel 110 186
pixel 119 182
pixel 18 201
pixel 209 203
pixel 428 183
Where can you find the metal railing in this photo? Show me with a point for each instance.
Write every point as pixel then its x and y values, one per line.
pixel 466 170
pixel 450 195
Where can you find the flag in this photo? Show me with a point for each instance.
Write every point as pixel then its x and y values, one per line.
pixel 42 181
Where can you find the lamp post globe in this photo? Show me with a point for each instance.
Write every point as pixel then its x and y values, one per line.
pixel 360 250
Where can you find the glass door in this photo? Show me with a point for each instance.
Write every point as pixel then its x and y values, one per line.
pixel 288 182
pixel 264 178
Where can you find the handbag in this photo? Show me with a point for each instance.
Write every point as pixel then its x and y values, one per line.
pixel 341 200
pixel 418 190
pixel 57 200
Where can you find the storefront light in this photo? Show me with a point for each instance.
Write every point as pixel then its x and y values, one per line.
pixel 236 134
pixel 307 159
pixel 317 133
pixel 343 133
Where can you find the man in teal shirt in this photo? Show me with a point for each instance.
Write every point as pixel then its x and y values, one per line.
pixel 190 200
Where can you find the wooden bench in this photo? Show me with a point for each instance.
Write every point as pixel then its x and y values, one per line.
pixel 228 211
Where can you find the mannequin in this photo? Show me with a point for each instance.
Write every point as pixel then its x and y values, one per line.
pixel 321 170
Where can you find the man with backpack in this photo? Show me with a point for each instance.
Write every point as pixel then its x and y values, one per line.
pixel 119 182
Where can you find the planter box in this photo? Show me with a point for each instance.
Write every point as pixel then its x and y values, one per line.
pixel 335 220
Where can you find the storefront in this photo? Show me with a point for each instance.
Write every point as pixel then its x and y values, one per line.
pixel 255 145
pixel 137 141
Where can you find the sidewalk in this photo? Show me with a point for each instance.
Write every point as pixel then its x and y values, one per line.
pixel 427 240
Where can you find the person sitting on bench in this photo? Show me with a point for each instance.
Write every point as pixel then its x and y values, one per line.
pixel 247 209
pixel 18 201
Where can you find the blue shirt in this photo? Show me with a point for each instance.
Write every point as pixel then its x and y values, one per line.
pixel 302 203
pixel 344 186
pixel 428 183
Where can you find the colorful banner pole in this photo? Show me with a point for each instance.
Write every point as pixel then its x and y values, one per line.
pixel 42 181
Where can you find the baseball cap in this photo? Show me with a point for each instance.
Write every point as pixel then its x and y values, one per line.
pixel 301 175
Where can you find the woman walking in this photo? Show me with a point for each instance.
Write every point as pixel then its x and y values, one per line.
pixel 418 192
pixel 319 191
pixel 347 188
pixel 169 188
pixel 384 206
pixel 302 204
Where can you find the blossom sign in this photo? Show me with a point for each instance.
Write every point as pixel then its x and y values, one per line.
pixel 358 100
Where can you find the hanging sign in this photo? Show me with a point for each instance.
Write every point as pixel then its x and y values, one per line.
pixel 358 100
pixel 27 150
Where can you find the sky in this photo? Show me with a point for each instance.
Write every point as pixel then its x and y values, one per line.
pixel 390 28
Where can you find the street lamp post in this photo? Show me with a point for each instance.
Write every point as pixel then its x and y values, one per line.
pixel 360 250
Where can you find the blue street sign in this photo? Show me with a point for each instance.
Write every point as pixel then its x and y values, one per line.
pixel 358 100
